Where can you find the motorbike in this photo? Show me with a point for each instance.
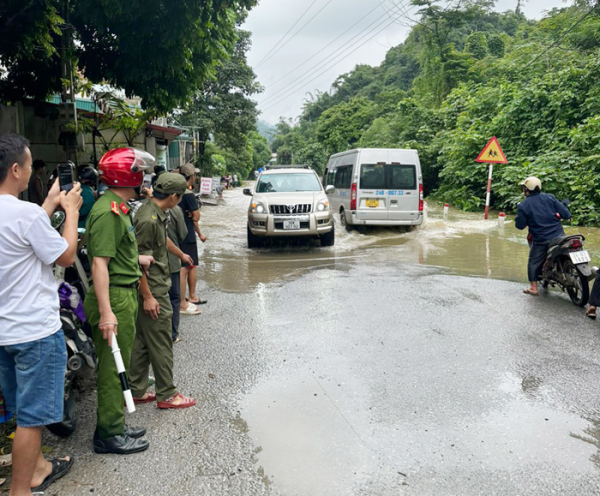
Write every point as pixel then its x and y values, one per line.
pixel 568 267
pixel 82 361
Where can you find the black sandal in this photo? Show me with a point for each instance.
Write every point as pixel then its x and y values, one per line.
pixel 59 469
pixel 591 314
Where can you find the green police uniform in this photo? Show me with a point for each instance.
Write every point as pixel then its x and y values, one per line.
pixel 110 234
pixel 153 344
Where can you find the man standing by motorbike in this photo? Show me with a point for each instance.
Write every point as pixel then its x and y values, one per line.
pixel 112 303
pixel 542 213
pixel 33 357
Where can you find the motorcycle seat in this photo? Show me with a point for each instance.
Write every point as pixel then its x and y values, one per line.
pixel 556 241
pixel 562 239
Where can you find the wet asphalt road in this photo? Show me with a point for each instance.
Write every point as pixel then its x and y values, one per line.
pixel 371 379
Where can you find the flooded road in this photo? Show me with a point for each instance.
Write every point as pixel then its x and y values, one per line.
pixel 462 244
pixel 372 368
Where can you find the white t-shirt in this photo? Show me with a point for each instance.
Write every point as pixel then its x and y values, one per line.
pixel 29 305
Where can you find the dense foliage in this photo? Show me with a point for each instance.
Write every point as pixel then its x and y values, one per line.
pixel 159 51
pixel 225 117
pixel 462 76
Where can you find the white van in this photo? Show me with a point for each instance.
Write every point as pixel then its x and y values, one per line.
pixel 376 187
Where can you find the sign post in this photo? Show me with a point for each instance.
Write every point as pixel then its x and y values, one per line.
pixel 491 154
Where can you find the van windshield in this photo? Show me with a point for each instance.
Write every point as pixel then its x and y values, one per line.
pixel 287 183
pixel 388 176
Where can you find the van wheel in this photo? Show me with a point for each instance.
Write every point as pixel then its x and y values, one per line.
pixel 329 238
pixel 253 240
pixel 343 221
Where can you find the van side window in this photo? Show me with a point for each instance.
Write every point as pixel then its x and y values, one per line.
pixel 343 178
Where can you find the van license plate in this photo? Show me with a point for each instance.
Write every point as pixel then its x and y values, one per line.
pixel 372 203
pixel 291 225
pixel 578 257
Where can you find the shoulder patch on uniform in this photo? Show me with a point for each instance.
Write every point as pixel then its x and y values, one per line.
pixel 154 217
pixel 124 208
pixel 114 208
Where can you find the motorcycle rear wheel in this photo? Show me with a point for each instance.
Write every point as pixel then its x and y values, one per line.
pixel 580 293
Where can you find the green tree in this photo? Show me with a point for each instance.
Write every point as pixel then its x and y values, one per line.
pixel 477 45
pixel 224 107
pixel 341 126
pixel 261 153
pixel 496 46
pixel 159 51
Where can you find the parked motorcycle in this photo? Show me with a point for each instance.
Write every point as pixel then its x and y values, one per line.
pixel 568 267
pixel 82 361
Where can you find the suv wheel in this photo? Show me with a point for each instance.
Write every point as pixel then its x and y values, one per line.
pixel 253 240
pixel 329 238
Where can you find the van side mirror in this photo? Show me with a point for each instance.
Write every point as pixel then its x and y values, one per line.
pixel 247 192
pixel 330 189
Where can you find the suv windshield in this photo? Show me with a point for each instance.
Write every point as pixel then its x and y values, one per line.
pixel 287 183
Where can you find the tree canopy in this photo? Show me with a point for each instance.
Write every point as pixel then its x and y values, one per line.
pixel 462 76
pixel 162 52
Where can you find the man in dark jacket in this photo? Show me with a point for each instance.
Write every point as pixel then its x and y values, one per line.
pixel 542 213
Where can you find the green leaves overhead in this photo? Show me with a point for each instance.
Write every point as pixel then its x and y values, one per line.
pixel 157 50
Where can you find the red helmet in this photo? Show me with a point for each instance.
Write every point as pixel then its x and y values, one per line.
pixel 124 167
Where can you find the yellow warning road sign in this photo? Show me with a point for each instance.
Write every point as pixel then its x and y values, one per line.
pixel 492 153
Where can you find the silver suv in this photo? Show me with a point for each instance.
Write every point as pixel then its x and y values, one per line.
pixel 289 201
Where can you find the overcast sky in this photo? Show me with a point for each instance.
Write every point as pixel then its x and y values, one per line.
pixel 371 28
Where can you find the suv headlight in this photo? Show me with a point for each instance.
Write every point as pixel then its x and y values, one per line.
pixel 258 208
pixel 322 206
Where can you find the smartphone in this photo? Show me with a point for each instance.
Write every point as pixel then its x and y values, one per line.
pixel 66 176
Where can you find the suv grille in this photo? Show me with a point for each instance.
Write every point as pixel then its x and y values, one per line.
pixel 291 209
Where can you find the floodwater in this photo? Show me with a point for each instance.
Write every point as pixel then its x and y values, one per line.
pixel 462 244
pixel 465 387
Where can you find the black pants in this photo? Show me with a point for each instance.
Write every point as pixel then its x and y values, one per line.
pixel 175 297
pixel 595 294
pixel 537 257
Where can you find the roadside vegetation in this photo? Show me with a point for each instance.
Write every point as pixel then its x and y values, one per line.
pixel 186 61
pixel 462 76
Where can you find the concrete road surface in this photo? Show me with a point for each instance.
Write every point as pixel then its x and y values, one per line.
pixel 372 379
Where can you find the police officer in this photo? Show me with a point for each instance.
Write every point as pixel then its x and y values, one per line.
pixel 112 303
pixel 153 344
pixel 542 213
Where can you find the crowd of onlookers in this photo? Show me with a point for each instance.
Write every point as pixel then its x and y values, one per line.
pixel 143 254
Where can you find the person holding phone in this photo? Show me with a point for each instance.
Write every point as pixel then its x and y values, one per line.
pixel 33 355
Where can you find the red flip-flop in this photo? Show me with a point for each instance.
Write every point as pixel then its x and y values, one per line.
pixel 151 398
pixel 186 403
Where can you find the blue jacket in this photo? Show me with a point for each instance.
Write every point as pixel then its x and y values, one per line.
pixel 538 212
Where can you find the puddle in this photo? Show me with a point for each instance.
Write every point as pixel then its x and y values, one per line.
pixel 463 244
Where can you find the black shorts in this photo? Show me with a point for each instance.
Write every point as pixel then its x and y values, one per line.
pixel 190 249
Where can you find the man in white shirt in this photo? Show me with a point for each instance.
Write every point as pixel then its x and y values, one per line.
pixel 32 346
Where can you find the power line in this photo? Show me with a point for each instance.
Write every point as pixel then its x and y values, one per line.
pixel 328 68
pixel 562 36
pixel 403 11
pixel 331 56
pixel 326 46
pixel 288 32
pixel 295 34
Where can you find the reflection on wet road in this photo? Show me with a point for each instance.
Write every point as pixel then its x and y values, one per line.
pixel 463 244
pixel 381 373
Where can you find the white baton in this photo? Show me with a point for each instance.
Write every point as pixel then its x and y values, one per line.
pixel 122 375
